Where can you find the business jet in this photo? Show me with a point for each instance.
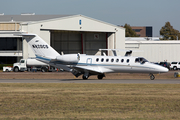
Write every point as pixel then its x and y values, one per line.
pixel 87 65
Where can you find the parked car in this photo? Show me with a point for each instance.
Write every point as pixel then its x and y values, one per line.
pixel 165 64
pixel 175 65
pixel 155 63
pixel 7 69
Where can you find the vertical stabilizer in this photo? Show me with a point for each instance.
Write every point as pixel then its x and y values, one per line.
pixel 40 47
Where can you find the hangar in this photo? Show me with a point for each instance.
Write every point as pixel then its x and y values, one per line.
pixel 155 51
pixel 65 33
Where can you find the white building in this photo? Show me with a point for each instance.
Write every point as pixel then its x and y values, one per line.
pixel 65 33
pixel 155 51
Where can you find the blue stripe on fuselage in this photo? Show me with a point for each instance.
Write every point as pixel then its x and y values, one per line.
pixel 42 58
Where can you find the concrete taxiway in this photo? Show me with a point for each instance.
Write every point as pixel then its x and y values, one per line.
pixel 120 81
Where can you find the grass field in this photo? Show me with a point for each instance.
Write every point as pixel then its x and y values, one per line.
pixel 89 101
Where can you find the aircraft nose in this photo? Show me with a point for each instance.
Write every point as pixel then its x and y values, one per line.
pixel 163 69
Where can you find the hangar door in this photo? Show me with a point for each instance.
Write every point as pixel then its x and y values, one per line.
pixel 70 42
pixel 66 41
pixel 93 41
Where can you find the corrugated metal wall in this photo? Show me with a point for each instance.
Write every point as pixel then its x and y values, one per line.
pixel 9 26
pixel 156 52
pixel 93 42
pixel 66 41
pixel 70 42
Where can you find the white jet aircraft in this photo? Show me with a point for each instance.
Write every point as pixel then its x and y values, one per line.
pixel 87 65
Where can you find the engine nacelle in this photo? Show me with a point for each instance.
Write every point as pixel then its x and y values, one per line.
pixel 70 58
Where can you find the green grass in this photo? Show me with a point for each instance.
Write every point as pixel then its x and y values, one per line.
pixel 89 101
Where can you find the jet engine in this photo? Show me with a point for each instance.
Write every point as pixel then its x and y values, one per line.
pixel 70 58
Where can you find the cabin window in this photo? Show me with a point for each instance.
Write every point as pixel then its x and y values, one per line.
pixel 117 60
pixel 136 60
pixel 140 60
pixel 107 60
pixel 112 60
pixel 102 59
pixel 97 59
pixel 122 60
pixel 127 61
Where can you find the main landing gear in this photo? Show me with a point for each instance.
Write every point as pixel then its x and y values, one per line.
pixel 152 77
pixel 100 76
pixel 85 77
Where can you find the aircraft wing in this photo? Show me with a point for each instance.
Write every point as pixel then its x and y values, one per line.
pixel 91 69
pixel 94 70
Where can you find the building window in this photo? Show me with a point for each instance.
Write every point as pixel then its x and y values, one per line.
pixel 137 30
pixel 9 60
pixel 13 44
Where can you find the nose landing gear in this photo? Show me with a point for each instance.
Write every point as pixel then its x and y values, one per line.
pixel 152 77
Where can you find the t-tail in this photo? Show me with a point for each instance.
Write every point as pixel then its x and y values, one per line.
pixel 45 53
pixel 41 49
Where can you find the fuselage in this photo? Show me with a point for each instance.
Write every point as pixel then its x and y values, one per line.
pixel 125 64
pixel 106 64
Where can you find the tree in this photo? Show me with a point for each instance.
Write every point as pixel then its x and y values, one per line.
pixel 169 33
pixel 129 31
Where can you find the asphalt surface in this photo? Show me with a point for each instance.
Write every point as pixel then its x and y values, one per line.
pixel 66 77
pixel 129 81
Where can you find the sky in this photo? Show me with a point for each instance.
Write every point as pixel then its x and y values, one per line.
pixel 153 13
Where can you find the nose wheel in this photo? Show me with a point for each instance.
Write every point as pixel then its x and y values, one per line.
pixel 152 77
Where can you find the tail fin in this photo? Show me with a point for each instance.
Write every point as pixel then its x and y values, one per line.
pixel 40 47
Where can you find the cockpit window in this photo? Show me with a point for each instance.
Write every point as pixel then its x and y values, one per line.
pixel 140 60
